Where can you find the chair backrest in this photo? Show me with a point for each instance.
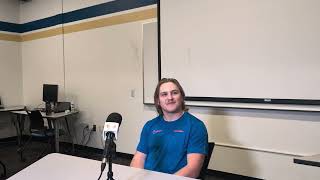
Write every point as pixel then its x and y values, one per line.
pixel 206 160
pixel 36 120
pixel 4 170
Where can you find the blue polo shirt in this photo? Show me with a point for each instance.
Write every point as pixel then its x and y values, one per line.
pixel 167 144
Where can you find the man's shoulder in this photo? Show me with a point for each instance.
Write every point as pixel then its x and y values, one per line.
pixel 153 121
pixel 192 118
pixel 194 121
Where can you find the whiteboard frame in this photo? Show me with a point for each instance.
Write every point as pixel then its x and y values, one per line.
pixel 255 103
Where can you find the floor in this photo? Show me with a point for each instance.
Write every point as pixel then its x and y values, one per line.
pixel 10 157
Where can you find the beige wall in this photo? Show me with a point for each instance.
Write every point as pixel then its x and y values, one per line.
pixel 10 83
pixel 103 66
pixel 10 73
pixel 42 63
pixel 10 68
pixel 261 143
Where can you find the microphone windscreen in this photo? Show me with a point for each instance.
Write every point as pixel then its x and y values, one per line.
pixel 114 117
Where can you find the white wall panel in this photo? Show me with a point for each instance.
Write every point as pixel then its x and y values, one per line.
pixel 280 131
pixel 266 139
pixel 260 164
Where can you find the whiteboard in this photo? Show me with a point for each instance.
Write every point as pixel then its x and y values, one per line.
pixel 264 49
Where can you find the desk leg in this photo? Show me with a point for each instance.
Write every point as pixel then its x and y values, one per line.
pixel 56 132
pixel 19 126
pixel 70 134
pixel 15 119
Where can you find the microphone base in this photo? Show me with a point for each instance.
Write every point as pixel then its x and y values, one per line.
pixel 110 178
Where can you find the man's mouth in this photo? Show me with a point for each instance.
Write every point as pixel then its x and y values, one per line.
pixel 169 103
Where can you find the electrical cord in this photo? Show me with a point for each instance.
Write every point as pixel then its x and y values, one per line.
pixel 100 175
pixel 83 134
pixel 89 137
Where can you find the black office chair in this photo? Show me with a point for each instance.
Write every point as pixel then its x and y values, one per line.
pixel 38 130
pixel 204 168
pixel 4 170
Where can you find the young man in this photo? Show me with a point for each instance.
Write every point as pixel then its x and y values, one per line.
pixel 175 142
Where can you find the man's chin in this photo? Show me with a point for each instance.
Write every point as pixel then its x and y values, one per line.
pixel 172 111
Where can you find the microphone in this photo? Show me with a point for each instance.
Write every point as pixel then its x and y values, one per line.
pixel 110 133
pixel 111 126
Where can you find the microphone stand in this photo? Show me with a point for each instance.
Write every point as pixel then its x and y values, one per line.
pixel 111 152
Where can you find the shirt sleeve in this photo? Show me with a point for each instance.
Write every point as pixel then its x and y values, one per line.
pixel 143 143
pixel 198 142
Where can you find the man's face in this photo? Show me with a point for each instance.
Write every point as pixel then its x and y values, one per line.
pixel 170 98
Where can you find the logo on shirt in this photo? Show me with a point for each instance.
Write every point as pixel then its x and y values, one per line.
pixel 178 131
pixel 156 131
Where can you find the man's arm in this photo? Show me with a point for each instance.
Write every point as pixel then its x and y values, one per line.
pixel 138 160
pixel 193 167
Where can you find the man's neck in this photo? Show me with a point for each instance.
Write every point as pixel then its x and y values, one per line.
pixel 172 116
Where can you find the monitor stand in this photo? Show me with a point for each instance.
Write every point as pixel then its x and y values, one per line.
pixel 48 108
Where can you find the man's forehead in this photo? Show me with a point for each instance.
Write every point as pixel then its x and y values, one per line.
pixel 167 87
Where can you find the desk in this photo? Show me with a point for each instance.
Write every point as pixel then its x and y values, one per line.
pixel 54 117
pixel 59 166
pixel 11 108
pixel 308 160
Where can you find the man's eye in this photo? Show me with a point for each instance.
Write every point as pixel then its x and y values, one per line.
pixel 175 92
pixel 163 94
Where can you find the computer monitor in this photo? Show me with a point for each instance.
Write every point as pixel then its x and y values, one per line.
pixel 50 93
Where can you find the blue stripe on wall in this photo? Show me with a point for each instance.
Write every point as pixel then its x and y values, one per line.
pixel 10 27
pixel 41 23
pixel 85 13
pixel 105 8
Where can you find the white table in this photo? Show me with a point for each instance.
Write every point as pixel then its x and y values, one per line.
pixel 64 167
pixel 54 117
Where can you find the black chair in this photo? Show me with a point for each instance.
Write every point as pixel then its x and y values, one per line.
pixel 204 168
pixel 38 130
pixel 4 170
